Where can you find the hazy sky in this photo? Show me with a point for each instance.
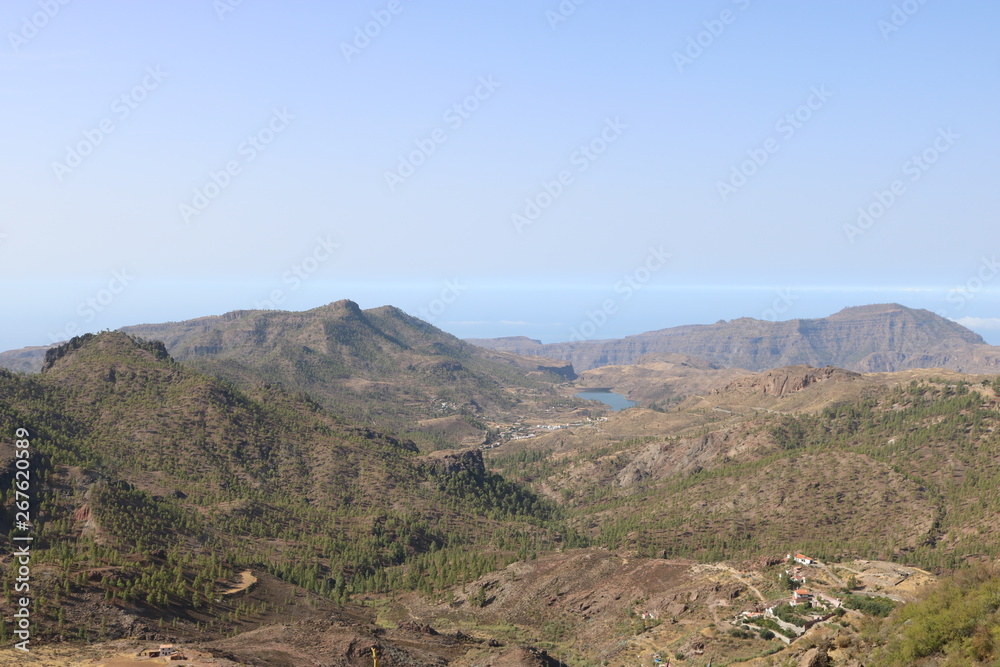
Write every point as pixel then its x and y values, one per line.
pixel 499 168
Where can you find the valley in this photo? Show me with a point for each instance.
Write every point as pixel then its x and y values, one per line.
pixel 270 488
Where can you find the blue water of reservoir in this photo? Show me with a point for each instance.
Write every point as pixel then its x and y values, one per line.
pixel 615 401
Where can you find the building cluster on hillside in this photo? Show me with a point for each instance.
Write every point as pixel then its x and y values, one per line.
pixel 816 605
pixel 522 432
pixel 584 422
pixel 797 578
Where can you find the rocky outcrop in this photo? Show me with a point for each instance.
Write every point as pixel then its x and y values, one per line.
pixel 564 371
pixel 783 381
pixel 814 657
pixel 450 461
pixel 685 456
pixel 884 337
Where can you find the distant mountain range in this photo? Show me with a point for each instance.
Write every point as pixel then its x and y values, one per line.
pixel 875 338
pixel 159 483
pixel 343 355
pixel 24 359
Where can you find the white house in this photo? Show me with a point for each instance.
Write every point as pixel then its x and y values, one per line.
pixel 800 595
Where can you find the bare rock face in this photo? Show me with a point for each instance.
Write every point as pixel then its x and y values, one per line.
pixel 689 455
pixel 877 338
pixel 814 657
pixel 783 381
pixel 676 608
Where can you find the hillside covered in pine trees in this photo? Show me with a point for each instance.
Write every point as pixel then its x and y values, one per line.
pixel 236 512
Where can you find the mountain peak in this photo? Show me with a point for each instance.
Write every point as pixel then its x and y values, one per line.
pixel 941 326
pixel 344 304
pixel 107 344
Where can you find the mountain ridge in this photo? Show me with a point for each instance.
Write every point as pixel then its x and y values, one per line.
pixel 160 484
pixel 869 338
pixel 373 366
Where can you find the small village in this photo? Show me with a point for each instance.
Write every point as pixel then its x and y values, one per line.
pixel 812 598
pixel 516 431
pixel 524 431
pixel 789 618
pixel 778 599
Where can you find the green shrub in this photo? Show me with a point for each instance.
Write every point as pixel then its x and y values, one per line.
pixel 959 619
pixel 870 606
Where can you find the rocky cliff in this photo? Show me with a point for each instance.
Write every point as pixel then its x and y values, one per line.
pixel 884 337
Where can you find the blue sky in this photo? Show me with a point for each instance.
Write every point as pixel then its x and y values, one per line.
pixel 499 168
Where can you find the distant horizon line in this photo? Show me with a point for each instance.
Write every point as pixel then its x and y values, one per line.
pixel 988 323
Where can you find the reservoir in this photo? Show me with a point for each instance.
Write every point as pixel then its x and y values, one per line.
pixel 615 401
